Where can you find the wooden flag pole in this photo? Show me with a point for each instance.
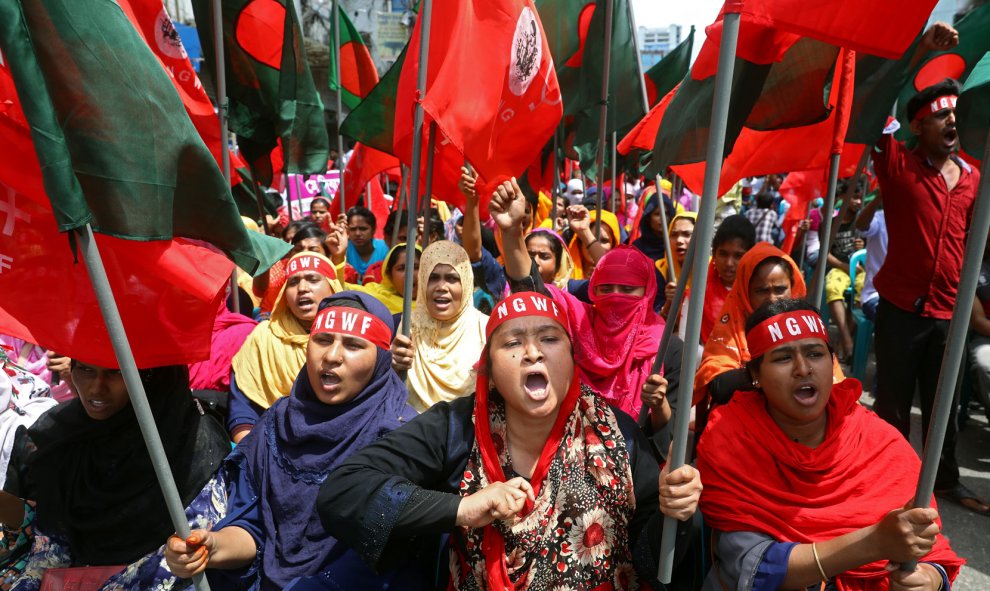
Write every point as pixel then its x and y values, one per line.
pixel 702 236
pixel 603 120
pixel 955 343
pixel 426 8
pixel 664 229
pixel 339 164
pixel 615 152
pixel 135 388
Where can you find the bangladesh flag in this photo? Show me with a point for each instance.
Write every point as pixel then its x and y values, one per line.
pixel 669 71
pixel 357 70
pixel 956 63
pixel 372 121
pixel 269 85
pixel 105 140
pixel 566 24
pixel 973 110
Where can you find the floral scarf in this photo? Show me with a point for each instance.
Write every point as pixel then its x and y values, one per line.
pixel 576 534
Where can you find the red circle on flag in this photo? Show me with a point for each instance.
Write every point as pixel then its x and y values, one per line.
pixel 948 65
pixel 584 23
pixel 259 31
pixel 360 75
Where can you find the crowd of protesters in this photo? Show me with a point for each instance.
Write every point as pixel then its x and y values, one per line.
pixel 517 436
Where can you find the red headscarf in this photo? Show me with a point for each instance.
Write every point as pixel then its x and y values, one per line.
pixel 616 338
pixel 715 296
pixel 794 493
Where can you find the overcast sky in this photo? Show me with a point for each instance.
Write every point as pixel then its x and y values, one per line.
pixel 661 13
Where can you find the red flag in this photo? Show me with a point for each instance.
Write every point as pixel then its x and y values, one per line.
pixel 796 148
pixel 879 27
pixel 364 165
pixel 644 134
pixel 167 291
pixel 799 189
pixel 379 204
pixel 495 102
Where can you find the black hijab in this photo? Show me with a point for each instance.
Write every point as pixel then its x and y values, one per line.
pixel 93 480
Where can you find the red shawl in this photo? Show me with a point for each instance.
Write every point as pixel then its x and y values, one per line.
pixel 791 492
pixel 715 296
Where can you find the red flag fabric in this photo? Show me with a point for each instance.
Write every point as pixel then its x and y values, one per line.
pixel 799 189
pixel 880 27
pixel 379 204
pixel 364 165
pixel 797 148
pixel 496 103
pixel 644 134
pixel 167 291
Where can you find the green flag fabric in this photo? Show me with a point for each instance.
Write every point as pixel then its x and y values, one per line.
pixel 372 121
pixel 973 110
pixel 357 70
pixel 115 144
pixel 269 85
pixel 566 24
pixel 665 74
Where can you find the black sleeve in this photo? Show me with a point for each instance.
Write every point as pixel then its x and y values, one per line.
pixel 660 440
pixel 646 528
pixel 400 487
pixel 726 384
pixel 532 283
pixel 18 482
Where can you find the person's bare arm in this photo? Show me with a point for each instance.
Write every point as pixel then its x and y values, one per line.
pixel 508 207
pixel 866 215
pixel 978 320
pixel 939 37
pixel 471 237
pixel 580 222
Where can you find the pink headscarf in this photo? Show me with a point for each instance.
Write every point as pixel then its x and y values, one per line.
pixel 229 332
pixel 616 338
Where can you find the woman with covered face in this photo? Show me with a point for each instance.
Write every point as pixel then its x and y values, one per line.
pixel 818 498
pixel 344 398
pixel 81 489
pixel 448 333
pixel 541 484
pixel 266 366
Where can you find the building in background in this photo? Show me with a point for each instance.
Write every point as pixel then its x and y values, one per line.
pixel 656 42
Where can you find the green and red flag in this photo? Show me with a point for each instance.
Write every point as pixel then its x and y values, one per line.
pixel 358 74
pixel 566 24
pixel 973 110
pixel 363 167
pixel 89 148
pixel 495 104
pixel 269 85
pixel 669 71
pixel 372 121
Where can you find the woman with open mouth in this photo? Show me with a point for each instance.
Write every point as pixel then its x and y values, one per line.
pixel 266 366
pixel 345 397
pixel 541 484
pixel 448 333
pixel 817 498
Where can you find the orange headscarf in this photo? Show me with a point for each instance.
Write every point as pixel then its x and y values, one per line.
pixel 726 347
pixel 610 223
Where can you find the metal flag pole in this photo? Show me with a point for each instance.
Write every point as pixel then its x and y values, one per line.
pixel 603 120
pixel 615 191
pixel 702 236
pixel 816 294
pixel 555 189
pixel 428 197
pixel 339 164
pixel 221 75
pixel 400 199
pixel 135 389
pixel 664 229
pixel 426 7
pixel 955 345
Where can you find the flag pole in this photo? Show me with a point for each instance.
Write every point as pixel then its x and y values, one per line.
pixel 702 236
pixel 221 76
pixel 555 189
pixel 816 294
pixel 614 166
pixel 135 388
pixel 399 200
pixel 671 273
pixel 955 341
pixel 603 119
pixel 427 200
pixel 426 8
pixel 339 164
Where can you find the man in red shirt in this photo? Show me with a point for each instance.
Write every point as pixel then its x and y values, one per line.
pixel 929 194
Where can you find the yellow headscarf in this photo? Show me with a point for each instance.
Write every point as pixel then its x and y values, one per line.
pixel 662 264
pixel 611 222
pixel 446 352
pixel 385 291
pixel 275 351
pixel 566 267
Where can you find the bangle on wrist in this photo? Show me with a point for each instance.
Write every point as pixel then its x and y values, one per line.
pixel 821 571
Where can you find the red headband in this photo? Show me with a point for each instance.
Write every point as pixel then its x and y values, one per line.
pixel 527 303
pixel 784 328
pixel 301 264
pixel 353 322
pixel 947 101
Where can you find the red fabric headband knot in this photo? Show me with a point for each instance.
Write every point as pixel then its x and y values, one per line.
pixel 784 328
pixel 301 264
pixel 355 323
pixel 947 101
pixel 527 303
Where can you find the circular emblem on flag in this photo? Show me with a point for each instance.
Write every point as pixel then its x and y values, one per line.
pixel 527 52
pixel 168 38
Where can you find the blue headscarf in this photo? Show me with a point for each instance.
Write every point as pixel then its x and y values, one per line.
pixel 300 440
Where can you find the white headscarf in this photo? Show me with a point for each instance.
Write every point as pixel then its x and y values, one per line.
pixel 23 398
